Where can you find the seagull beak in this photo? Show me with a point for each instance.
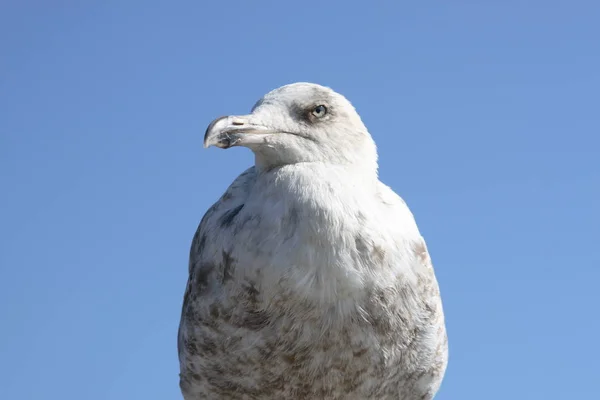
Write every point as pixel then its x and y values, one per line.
pixel 226 132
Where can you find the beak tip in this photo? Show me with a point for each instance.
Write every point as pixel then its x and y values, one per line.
pixel 209 134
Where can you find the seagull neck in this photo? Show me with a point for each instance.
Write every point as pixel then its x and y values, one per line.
pixel 358 169
pixel 309 173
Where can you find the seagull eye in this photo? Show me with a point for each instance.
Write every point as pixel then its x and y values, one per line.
pixel 319 111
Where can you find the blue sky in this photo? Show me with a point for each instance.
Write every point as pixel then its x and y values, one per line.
pixel 485 113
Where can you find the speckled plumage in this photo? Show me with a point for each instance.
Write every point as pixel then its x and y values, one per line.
pixel 309 278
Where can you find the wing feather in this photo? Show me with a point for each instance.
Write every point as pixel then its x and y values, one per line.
pixel 203 266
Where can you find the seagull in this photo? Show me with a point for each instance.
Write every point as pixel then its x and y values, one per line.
pixel 309 278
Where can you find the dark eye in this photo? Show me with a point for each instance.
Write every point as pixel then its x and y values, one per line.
pixel 319 111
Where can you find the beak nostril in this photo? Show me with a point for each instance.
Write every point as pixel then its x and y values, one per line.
pixel 237 122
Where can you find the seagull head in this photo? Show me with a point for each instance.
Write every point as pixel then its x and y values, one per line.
pixel 298 123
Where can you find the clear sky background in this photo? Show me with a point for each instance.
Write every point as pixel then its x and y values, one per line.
pixel 487 118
